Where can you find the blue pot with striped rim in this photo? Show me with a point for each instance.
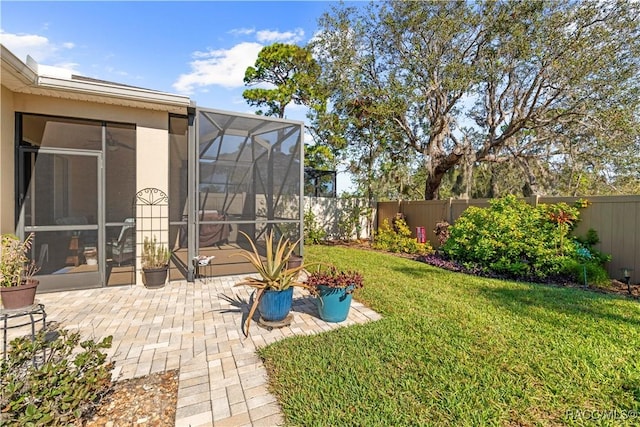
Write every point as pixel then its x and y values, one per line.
pixel 275 305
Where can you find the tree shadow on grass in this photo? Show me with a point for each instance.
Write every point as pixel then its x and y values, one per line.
pixel 570 302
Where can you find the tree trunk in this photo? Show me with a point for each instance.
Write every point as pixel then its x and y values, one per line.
pixel 437 167
pixel 530 186
pixel 432 187
pixel 493 184
pixel 464 181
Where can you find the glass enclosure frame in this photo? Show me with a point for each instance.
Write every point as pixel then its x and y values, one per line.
pixel 246 174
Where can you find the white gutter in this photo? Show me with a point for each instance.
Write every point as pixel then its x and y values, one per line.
pixel 29 74
pixel 113 91
pixel 22 70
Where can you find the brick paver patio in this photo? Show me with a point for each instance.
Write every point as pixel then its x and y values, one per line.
pixel 194 327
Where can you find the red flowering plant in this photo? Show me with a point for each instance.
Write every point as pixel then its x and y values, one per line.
pixel 332 278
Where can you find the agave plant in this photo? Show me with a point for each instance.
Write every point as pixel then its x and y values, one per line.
pixel 272 270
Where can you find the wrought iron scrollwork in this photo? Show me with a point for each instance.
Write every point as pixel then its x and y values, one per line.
pixel 151 197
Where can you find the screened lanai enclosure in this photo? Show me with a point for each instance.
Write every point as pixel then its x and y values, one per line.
pixel 246 175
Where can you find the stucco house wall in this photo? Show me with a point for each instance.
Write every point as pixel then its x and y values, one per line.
pixel 7 191
pixel 24 90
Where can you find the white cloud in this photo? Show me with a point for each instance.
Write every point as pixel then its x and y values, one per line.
pixel 242 31
pixel 115 71
pixel 238 100
pixel 223 67
pixel 270 36
pixel 226 67
pixel 38 47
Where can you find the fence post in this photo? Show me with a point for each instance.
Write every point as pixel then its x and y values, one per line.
pixel 450 215
pixel 534 200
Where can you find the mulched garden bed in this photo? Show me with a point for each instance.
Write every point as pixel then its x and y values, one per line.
pixel 616 287
pixel 145 401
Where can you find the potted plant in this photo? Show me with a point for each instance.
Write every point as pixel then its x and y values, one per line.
pixel 155 263
pixel 274 286
pixel 17 285
pixel 334 290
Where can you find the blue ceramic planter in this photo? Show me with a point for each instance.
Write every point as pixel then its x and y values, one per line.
pixel 275 305
pixel 334 303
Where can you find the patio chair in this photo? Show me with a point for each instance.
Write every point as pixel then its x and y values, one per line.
pixel 124 249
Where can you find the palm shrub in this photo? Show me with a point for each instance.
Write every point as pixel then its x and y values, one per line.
pixel 514 238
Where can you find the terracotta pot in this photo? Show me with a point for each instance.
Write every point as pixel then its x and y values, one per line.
pixel 20 296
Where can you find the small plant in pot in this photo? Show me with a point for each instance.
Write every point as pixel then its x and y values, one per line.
pixel 275 282
pixel 334 291
pixel 17 285
pixel 155 263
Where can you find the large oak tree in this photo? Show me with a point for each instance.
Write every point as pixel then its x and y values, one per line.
pixel 542 85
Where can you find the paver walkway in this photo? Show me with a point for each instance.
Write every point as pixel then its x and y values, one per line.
pixel 194 327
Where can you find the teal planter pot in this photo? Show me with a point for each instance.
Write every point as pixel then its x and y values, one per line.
pixel 334 303
pixel 275 305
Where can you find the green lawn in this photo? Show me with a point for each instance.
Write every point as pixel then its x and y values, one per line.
pixel 453 349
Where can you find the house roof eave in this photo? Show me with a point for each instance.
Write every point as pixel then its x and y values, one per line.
pixel 113 91
pixel 23 77
pixel 18 69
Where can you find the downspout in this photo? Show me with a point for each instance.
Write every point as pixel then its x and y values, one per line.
pixel 192 192
pixel 302 199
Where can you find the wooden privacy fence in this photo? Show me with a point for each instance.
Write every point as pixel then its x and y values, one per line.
pixel 615 218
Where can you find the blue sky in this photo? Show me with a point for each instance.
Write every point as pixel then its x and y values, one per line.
pixel 200 48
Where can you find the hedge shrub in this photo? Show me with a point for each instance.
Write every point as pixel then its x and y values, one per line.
pixel 516 239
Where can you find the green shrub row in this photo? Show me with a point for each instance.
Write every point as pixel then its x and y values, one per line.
pixel 514 238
